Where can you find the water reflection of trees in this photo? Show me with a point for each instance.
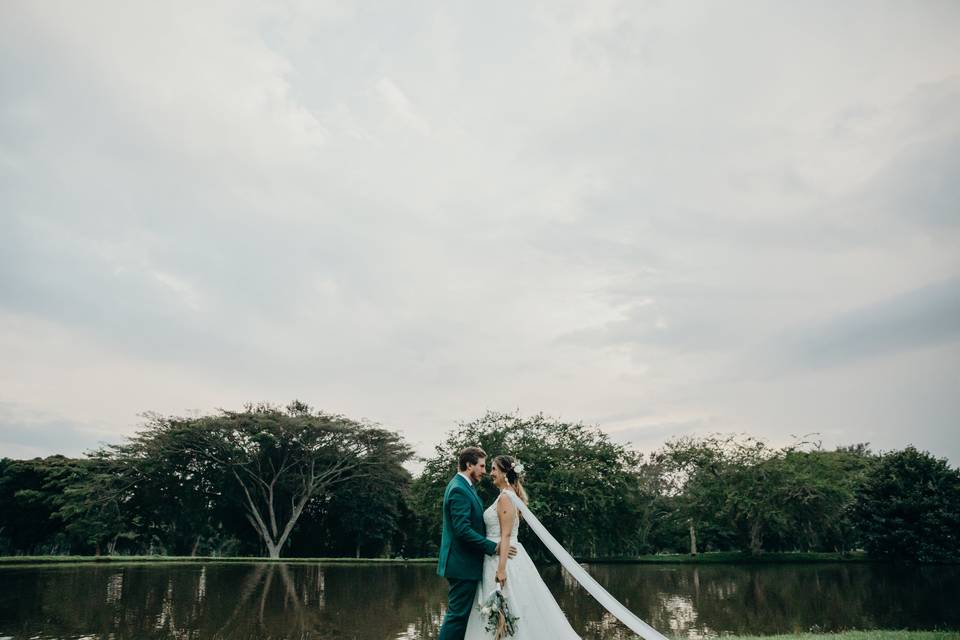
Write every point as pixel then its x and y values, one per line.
pixel 263 600
pixel 766 599
pixel 222 601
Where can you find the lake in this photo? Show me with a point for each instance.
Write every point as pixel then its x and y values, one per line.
pixel 349 601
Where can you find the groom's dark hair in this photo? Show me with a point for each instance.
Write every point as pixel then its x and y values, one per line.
pixel 470 455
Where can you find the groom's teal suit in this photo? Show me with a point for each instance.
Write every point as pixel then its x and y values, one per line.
pixel 462 547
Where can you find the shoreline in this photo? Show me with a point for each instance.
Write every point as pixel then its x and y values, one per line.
pixel 15 561
pixel 875 634
pixel 719 557
pixel 738 557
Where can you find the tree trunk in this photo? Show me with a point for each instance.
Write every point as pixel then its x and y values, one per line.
pixel 645 529
pixel 693 540
pixel 756 538
pixel 268 533
pixel 811 537
pixel 272 550
pixel 193 552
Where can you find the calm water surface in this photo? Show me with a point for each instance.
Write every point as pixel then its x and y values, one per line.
pixel 373 602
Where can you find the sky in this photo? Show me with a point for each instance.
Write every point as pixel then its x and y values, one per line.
pixel 660 218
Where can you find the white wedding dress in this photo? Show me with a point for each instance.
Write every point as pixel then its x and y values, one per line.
pixel 528 596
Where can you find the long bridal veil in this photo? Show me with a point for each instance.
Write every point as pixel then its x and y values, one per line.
pixel 580 574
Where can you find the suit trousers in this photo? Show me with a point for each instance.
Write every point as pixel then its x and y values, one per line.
pixel 460 598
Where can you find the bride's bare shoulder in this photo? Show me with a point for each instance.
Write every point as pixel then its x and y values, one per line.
pixel 504 503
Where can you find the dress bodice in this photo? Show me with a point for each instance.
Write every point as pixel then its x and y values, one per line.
pixel 492 521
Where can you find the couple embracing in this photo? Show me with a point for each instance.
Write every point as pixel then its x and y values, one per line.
pixel 479 552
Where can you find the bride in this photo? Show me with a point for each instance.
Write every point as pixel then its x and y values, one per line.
pixel 540 617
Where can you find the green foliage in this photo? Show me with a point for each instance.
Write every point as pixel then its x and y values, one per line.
pixel 909 508
pixel 275 461
pixel 181 500
pixel 720 480
pixel 92 498
pixel 364 517
pixel 654 508
pixel 235 482
pixel 63 505
pixel 312 484
pixel 822 492
pixel 796 497
pixel 579 482
pixel 26 508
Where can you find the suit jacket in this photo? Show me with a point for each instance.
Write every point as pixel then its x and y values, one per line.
pixel 463 542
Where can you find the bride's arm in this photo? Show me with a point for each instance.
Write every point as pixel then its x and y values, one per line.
pixel 506 513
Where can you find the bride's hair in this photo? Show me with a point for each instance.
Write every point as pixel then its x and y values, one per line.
pixel 506 464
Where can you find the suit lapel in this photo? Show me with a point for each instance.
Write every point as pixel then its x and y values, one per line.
pixel 472 492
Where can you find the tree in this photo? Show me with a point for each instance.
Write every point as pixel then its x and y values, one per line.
pixel 361 518
pixel 787 498
pixel 650 500
pixel 180 499
pixel 578 480
pixel 59 504
pixel 821 492
pixel 278 459
pixel 26 522
pixel 706 473
pixel 909 508
pixel 91 497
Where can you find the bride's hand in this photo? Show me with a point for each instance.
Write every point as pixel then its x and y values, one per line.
pixel 501 577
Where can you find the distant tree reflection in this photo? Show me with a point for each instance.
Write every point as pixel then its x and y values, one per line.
pixel 407 602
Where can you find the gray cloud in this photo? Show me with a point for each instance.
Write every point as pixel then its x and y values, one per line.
pixel 923 183
pixel 922 318
pixel 660 432
pixel 25 433
pixel 390 212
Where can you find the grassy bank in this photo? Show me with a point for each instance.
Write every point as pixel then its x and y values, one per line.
pixel 859 635
pixel 736 557
pixel 718 557
pixel 25 560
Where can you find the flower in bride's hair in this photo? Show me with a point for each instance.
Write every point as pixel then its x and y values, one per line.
pixel 518 466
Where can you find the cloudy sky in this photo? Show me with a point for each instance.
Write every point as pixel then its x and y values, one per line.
pixel 661 218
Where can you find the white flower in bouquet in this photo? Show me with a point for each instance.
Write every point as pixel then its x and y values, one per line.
pixel 496 615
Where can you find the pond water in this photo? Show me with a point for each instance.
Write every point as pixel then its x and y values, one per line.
pixel 372 602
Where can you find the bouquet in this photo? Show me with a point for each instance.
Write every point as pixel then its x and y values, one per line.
pixel 496 615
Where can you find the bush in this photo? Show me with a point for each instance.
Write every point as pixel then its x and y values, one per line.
pixel 909 508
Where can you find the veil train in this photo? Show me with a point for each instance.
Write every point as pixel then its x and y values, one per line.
pixel 580 574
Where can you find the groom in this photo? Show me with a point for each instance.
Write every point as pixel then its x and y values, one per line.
pixel 463 543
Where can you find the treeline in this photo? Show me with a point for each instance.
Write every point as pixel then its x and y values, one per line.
pixel 292 481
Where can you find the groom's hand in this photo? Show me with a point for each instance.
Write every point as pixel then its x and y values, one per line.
pixel 510 554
